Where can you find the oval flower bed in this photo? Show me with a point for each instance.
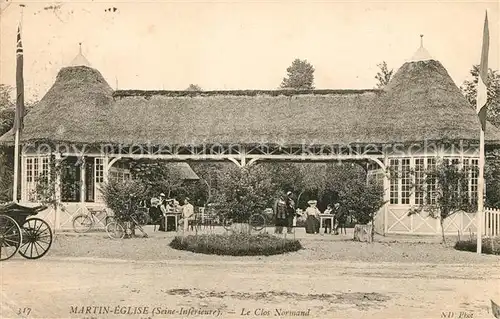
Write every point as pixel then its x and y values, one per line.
pixel 235 244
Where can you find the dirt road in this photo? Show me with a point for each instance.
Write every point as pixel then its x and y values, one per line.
pixel 58 287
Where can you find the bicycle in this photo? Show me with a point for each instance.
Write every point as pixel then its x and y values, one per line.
pixel 225 221
pixel 257 221
pixel 118 229
pixel 84 222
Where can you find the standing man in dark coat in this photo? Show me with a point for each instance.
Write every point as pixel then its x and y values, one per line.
pixel 280 211
pixel 290 212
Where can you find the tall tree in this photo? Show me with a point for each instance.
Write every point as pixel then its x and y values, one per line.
pixel 300 76
pixel 193 87
pixel 7 109
pixel 384 75
pixel 158 176
pixel 469 89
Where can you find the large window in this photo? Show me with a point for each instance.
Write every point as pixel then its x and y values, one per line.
pixel 34 167
pixel 395 179
pixel 409 185
pixel 472 166
pixel 406 181
pixel 419 181
pixel 120 171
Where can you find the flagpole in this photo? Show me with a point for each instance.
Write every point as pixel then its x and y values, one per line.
pixel 18 120
pixel 16 166
pixel 481 107
pixel 480 191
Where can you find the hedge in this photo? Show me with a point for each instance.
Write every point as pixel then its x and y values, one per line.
pixel 236 244
pixel 489 245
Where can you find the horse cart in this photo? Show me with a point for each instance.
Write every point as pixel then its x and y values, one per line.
pixel 20 232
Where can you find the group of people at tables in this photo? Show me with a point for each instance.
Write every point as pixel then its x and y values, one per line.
pixel 286 214
pixel 161 208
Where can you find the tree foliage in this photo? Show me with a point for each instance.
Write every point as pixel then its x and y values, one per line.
pixel 346 184
pixel 469 89
pixel 123 196
pixel 305 181
pixel 384 75
pixel 7 114
pixel 205 190
pixel 194 87
pixel 244 191
pixel 492 179
pixel 300 76
pixel 158 177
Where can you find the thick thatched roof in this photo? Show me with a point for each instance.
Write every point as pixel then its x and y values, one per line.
pixel 74 109
pixel 420 103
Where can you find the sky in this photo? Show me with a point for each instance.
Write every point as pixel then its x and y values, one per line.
pixel 225 45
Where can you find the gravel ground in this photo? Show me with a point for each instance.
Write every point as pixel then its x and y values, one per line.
pixel 62 287
pixel 316 248
pixel 332 277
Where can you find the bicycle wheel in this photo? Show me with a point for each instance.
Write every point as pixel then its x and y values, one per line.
pixel 109 219
pixel 257 222
pixel 82 223
pixel 226 223
pixel 115 230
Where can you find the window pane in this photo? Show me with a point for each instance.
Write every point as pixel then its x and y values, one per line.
pixel 419 181
pixel 394 181
pixel 431 185
pixel 405 181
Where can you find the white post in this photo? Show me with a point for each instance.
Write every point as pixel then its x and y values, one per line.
pixel 106 167
pixel 57 182
pixel 387 194
pixel 480 194
pixel 23 177
pixel 82 180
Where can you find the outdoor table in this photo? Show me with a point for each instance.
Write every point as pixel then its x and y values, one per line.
pixel 171 222
pixel 326 216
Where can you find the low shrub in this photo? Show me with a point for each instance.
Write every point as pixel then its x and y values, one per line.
pixel 236 244
pixel 489 245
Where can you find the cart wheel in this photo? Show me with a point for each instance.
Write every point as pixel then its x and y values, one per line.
pixel 115 230
pixel 82 223
pixel 10 237
pixel 37 238
pixel 257 222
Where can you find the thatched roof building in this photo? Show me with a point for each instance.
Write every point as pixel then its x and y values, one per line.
pixel 420 103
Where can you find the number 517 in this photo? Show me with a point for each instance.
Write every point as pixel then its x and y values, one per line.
pixel 24 311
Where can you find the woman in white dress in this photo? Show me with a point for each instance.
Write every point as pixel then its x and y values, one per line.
pixel 312 221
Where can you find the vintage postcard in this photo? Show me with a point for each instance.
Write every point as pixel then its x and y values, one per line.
pixel 249 159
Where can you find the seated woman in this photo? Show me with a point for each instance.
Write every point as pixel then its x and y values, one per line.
pixel 312 221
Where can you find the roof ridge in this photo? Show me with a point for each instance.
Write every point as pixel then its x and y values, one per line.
pixel 180 93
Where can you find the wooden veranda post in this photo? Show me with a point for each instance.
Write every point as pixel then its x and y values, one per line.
pixel 57 195
pixel 386 185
